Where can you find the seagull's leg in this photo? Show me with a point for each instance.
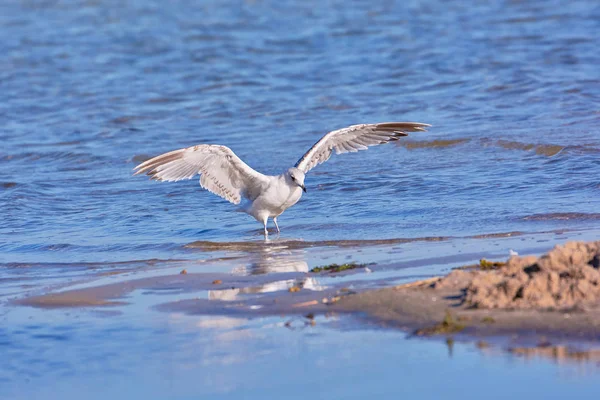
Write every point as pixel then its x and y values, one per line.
pixel 265 224
pixel 276 226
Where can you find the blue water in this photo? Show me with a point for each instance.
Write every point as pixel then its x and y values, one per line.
pixel 90 89
pixel 232 358
pixel 87 88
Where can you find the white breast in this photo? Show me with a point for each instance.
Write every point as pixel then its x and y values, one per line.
pixel 275 200
pixel 294 195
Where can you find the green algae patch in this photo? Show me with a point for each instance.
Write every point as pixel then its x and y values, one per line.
pixel 487 265
pixel 484 265
pixel 332 268
pixel 447 326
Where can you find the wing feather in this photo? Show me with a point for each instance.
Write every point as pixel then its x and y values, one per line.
pixel 221 171
pixel 355 138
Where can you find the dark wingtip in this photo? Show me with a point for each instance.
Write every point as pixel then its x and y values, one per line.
pixel 403 126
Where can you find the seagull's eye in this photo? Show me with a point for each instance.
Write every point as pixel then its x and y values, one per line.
pixel 293 177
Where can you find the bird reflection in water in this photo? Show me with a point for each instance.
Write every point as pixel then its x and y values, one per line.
pixel 276 259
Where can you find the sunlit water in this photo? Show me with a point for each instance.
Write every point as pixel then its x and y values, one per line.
pixel 89 89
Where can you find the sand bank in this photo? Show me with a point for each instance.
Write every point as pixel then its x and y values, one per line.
pixel 556 295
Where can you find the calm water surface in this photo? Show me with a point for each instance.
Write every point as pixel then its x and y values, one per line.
pixel 90 89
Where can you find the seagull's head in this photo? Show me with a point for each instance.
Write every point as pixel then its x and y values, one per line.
pixel 295 177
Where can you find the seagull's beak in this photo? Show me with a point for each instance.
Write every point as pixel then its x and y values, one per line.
pixel 303 188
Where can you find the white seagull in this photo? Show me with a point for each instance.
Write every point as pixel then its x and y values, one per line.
pixel 263 196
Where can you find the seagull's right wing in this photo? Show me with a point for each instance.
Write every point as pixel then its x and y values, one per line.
pixel 354 138
pixel 221 171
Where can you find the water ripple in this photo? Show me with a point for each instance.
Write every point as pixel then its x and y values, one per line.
pixel 510 89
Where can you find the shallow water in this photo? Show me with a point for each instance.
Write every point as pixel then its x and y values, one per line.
pixel 207 357
pixel 88 90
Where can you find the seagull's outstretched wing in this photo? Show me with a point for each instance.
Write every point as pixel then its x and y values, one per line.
pixel 221 171
pixel 354 138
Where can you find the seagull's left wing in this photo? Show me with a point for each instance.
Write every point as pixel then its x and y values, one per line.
pixel 221 171
pixel 354 138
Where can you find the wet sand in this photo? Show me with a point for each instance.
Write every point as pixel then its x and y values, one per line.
pixel 416 309
pixel 225 287
pixel 419 307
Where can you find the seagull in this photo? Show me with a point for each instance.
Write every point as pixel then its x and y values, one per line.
pixel 263 196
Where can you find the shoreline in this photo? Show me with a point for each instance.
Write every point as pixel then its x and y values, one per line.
pixel 430 307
